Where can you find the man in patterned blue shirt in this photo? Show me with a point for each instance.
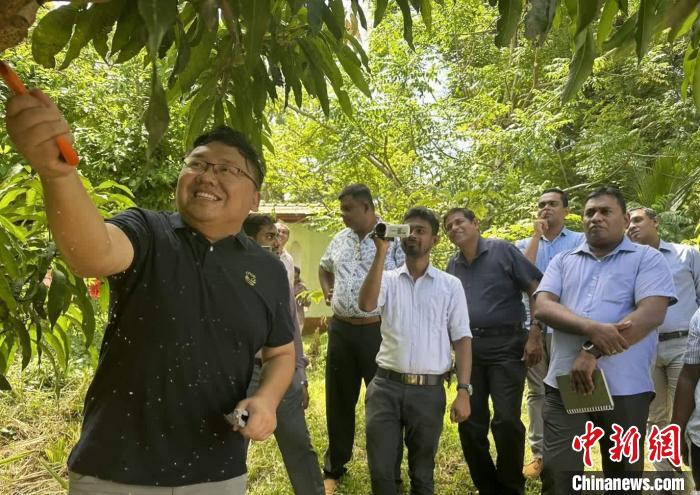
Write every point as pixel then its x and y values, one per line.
pixel 353 335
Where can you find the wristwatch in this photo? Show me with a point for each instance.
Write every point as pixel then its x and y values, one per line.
pixel 590 347
pixel 466 386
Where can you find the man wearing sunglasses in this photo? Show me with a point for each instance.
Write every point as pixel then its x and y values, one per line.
pixel 192 301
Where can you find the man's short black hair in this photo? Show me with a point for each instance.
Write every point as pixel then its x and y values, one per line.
pixel 649 212
pixel 226 135
pixel 468 214
pixel 358 192
pixel 255 222
pixel 562 194
pixel 609 191
pixel 424 214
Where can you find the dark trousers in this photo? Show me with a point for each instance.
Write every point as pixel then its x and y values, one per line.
pixel 498 372
pixel 293 438
pixel 415 412
pixel 561 461
pixel 352 350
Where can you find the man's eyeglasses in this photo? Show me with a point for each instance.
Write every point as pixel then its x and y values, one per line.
pixel 552 203
pixel 225 171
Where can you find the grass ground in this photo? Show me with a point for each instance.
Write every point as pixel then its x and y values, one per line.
pixel 38 428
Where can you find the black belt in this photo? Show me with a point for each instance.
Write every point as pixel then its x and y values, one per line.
pixel 497 331
pixel 410 378
pixel 672 335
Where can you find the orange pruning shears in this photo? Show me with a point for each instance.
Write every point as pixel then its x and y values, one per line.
pixel 18 88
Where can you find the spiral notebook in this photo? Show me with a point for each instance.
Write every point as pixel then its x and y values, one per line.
pixel 575 403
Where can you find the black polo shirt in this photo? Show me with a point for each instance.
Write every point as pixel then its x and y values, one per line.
pixel 185 321
pixel 494 282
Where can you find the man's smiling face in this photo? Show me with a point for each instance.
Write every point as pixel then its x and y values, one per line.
pixel 222 201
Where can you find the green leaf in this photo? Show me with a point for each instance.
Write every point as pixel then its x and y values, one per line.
pixel 200 111
pixel 257 20
pixel 379 11
pixel 183 53
pixel 334 17
pixel 677 14
pixel 508 20
pixel 199 61
pixel 5 385
pixel 646 17
pixel 159 16
pixel 53 33
pixel 7 259
pixel 580 67
pixel 127 25
pixel 6 293
pixel 157 115
pixel 539 18
pixel 696 85
pixel 315 14
pixel 89 24
pixel 408 21
pixel 25 342
pixel 587 12
pixel 57 347
pixel 426 12
pixel 623 34
pixel 606 22
pixel 86 310
pixel 353 68
pixel 58 292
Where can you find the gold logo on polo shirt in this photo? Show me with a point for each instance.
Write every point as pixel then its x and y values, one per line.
pixel 250 279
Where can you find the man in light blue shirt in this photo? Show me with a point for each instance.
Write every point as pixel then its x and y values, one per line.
pixel 684 262
pixel 424 314
pixel 549 237
pixel 603 299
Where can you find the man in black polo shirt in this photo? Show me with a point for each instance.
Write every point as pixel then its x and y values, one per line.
pixel 192 300
pixel 494 273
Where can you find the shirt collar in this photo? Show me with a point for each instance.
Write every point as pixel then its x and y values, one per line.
pixel 664 246
pixel 431 271
pixel 481 247
pixel 178 223
pixel 625 245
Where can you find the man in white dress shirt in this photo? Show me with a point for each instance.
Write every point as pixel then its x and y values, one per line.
pixel 424 313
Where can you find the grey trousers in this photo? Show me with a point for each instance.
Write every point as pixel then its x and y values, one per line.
pixel 293 438
pixel 415 412
pixel 535 399
pixel 89 485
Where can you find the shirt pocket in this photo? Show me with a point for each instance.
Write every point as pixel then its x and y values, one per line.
pixel 618 288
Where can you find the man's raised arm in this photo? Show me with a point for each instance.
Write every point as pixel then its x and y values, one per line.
pixel 89 246
pixel 369 293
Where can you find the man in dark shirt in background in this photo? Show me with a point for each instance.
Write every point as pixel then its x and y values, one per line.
pixel 192 301
pixel 292 434
pixel 493 274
